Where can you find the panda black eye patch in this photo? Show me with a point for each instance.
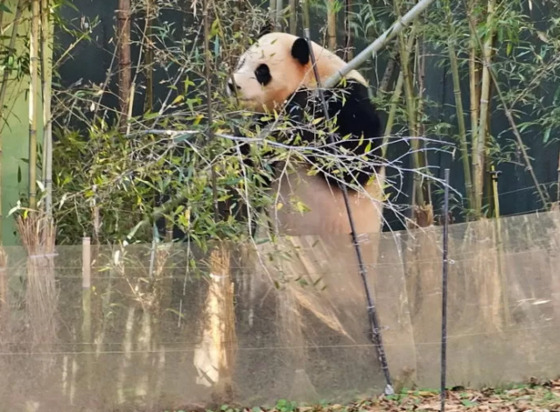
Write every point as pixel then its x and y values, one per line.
pixel 262 73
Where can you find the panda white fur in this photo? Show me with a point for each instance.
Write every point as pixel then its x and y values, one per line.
pixel 275 74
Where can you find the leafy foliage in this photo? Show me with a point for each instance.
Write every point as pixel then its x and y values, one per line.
pixel 163 165
pixel 166 164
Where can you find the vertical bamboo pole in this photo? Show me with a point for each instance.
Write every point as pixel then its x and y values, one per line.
pixel 306 18
pixel 33 94
pixel 348 46
pixel 409 91
pixel 272 13
pixel 149 57
pixel 125 65
pixel 474 73
pixel 331 24
pixel 462 130
pixel 279 15
pixel 479 146
pixel 46 80
pixel 387 76
pixel 411 108
pixel 420 82
pixel 209 114
pixel 392 113
pixel 420 76
pixel 293 16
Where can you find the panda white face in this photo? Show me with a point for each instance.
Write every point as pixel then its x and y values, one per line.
pixel 268 72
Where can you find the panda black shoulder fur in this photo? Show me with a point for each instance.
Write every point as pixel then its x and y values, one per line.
pixel 275 74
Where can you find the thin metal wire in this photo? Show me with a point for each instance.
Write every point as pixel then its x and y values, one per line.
pixel 372 312
pixel 444 289
pixel 166 345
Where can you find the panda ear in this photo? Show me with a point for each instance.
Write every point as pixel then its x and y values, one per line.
pixel 266 28
pixel 300 51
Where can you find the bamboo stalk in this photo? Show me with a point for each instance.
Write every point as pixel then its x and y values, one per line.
pixel 474 74
pixel 125 64
pixel 479 146
pixel 46 80
pixel 387 75
pixel 149 57
pixel 306 19
pixel 462 131
pixel 404 55
pixel 331 24
pixel 420 128
pixel 420 77
pixel 293 16
pixel 392 113
pixel 348 40
pixel 209 114
pixel 279 15
pixel 33 94
pixel 272 13
pixel 379 43
pixel 410 100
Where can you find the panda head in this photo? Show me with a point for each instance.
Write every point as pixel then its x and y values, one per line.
pixel 276 66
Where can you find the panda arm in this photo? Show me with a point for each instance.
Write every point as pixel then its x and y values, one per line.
pixel 356 124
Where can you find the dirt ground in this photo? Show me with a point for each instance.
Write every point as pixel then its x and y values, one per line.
pixel 533 396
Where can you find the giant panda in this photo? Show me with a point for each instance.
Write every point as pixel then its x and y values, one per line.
pixel 275 74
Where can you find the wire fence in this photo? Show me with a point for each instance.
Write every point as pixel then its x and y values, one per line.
pixel 169 327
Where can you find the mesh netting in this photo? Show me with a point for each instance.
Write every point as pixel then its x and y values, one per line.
pixel 172 327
